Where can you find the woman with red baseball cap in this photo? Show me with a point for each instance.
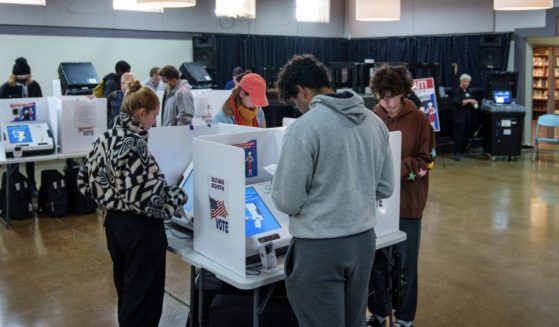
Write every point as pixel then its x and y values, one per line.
pixel 244 105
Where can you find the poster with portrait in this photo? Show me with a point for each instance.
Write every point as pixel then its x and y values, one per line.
pixel 251 158
pixel 424 88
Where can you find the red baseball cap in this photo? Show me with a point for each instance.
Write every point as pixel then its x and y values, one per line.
pixel 255 86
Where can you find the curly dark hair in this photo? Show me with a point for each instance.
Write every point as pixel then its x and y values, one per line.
pixel 393 80
pixel 303 70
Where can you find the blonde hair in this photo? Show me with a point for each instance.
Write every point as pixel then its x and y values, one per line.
pixel 127 78
pixel 138 96
pixel 12 80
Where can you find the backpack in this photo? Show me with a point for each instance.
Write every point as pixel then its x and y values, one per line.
pixel 79 203
pixel 53 195
pixel 21 206
pixel 98 90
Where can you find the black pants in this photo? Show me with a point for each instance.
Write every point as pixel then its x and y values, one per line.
pixel 409 251
pixel 138 247
pixel 462 129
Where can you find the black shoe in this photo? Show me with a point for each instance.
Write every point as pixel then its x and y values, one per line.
pixel 375 322
pixel 457 157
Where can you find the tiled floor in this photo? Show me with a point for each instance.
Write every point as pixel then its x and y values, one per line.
pixel 489 255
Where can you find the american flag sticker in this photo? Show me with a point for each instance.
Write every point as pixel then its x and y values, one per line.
pixel 217 209
pixel 217 196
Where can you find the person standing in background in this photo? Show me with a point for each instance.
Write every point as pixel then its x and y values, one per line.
pixel 154 80
pixel 237 71
pixel 112 80
pixel 464 104
pixel 393 86
pixel 114 100
pixel 178 102
pixel 21 85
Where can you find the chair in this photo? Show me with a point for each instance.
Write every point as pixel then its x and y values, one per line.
pixel 547 120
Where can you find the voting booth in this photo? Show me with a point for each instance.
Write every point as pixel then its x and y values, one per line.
pixel 27 127
pixel 79 121
pixel 176 161
pixel 234 214
pixel 207 103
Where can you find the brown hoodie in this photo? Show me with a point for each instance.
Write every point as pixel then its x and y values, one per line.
pixel 418 153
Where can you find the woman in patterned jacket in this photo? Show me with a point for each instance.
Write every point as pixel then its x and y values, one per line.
pixel 121 176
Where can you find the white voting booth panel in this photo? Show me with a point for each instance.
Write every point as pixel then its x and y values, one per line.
pixel 171 146
pixel 388 210
pixel 220 164
pixel 207 103
pixel 219 178
pixel 80 121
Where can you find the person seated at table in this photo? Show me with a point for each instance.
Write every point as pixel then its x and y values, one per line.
pixel 21 85
pixel 244 105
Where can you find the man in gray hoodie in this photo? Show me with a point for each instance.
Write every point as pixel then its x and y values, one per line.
pixel 335 164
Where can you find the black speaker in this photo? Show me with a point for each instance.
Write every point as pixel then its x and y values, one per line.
pixel 203 51
pixel 490 52
pixel 196 75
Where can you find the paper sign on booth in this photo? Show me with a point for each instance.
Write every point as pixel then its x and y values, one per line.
pixel 85 116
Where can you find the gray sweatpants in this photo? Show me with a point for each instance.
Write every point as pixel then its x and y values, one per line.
pixel 327 279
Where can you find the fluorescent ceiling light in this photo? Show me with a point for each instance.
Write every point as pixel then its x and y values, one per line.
pixel 314 11
pixel 132 5
pixel 168 3
pixel 26 2
pixel 511 5
pixel 377 10
pixel 236 8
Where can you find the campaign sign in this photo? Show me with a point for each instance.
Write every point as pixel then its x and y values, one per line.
pixel 424 88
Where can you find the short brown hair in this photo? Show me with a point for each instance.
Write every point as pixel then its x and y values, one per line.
pixel 396 80
pixel 169 72
pixel 153 71
pixel 138 96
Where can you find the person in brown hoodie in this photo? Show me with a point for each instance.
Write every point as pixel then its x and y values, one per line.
pixel 393 86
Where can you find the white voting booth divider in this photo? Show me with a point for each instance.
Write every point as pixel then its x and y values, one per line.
pixel 207 103
pixel 220 176
pixel 80 120
pixel 172 146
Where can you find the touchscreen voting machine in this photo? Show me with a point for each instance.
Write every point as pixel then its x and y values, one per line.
pixel 501 97
pixel 185 217
pixel 263 222
pixel 27 139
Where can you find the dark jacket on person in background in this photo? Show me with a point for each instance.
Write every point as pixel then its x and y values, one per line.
pixel 418 153
pixel 461 113
pixel 16 91
pixel 112 83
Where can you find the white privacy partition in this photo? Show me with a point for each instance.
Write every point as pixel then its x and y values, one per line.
pixel 80 121
pixel 220 178
pixel 172 146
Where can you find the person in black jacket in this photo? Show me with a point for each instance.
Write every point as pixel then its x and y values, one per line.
pixel 112 80
pixel 464 104
pixel 122 176
pixel 21 85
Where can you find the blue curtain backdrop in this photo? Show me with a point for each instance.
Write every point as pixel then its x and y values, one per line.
pixel 267 54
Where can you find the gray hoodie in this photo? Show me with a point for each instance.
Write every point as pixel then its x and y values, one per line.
pixel 335 163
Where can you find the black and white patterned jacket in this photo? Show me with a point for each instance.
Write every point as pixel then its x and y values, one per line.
pixel 120 173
